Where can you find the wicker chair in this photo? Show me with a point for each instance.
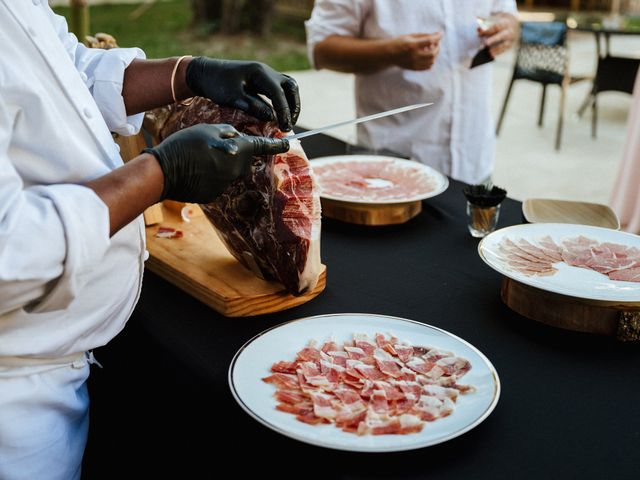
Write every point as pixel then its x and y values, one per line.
pixel 543 58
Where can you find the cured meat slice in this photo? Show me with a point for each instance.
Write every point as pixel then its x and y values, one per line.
pixel 270 219
pixel 365 343
pixel 378 393
pixel 404 352
pixel 618 262
pixel 386 363
pixel 626 275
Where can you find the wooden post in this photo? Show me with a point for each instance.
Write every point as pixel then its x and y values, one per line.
pixel 615 7
pixel 80 18
pixel 261 16
pixel 231 20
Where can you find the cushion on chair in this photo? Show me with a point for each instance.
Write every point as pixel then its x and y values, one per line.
pixel 542 56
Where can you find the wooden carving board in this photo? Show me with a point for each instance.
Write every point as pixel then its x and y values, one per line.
pixel 370 214
pixel 619 319
pixel 201 265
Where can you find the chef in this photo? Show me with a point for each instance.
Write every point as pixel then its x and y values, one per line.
pixel 413 51
pixel 72 241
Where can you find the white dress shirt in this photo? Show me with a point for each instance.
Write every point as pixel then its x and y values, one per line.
pixel 65 286
pixel 456 134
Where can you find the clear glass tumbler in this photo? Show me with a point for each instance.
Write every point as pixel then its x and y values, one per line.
pixel 482 220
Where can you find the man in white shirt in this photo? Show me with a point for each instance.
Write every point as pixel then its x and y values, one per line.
pixel 413 51
pixel 72 242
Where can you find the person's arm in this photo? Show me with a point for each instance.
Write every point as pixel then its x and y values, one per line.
pixel 147 84
pixel 129 190
pixel 231 83
pixel 193 165
pixel 502 35
pixel 416 51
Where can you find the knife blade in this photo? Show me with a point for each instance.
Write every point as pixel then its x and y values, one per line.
pixel 353 121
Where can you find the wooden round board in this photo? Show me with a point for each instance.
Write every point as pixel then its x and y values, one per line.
pixel 619 319
pixel 201 265
pixel 361 214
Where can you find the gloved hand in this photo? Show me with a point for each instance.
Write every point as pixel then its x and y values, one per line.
pixel 238 83
pixel 200 162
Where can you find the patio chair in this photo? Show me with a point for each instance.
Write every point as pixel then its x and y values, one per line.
pixel 542 57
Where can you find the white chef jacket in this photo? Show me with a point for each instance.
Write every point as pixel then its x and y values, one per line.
pixel 65 286
pixel 456 134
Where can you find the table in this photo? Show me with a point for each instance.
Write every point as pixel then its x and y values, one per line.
pixel 612 72
pixel 569 405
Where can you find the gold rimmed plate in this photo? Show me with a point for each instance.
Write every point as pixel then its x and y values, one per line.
pixel 253 362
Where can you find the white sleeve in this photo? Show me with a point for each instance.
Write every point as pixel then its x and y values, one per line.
pixel 103 73
pixel 334 17
pixel 51 237
pixel 505 6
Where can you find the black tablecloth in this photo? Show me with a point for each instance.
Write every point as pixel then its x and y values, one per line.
pixel 570 403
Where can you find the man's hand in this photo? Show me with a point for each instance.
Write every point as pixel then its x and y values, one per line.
pixel 238 84
pixel 501 36
pixel 200 162
pixel 416 51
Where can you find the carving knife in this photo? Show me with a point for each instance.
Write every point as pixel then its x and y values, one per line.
pixel 353 121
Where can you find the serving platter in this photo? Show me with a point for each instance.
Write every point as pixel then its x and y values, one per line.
pixel 253 362
pixel 375 189
pixel 568 280
pixel 376 179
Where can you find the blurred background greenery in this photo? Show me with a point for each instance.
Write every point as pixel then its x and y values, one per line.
pixel 176 27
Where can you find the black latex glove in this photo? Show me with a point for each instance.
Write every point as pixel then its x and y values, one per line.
pixel 200 162
pixel 238 84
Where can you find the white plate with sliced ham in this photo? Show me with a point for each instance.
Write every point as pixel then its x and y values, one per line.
pixel 376 179
pixel 581 261
pixel 364 382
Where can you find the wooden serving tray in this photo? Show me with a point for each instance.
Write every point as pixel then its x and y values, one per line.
pixel 201 265
pixel 370 214
pixel 618 319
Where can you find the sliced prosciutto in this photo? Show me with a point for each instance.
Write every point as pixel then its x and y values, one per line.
pixel 538 258
pixel 374 180
pixel 369 385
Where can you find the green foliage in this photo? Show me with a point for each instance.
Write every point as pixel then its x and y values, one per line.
pixel 164 30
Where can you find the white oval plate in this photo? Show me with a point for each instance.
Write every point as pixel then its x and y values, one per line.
pixel 568 280
pixel 253 362
pixel 441 182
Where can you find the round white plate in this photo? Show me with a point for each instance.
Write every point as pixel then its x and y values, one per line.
pixel 253 362
pixel 568 280
pixel 440 181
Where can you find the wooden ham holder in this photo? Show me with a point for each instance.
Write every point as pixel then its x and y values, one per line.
pixel 618 319
pixel 201 265
pixel 370 214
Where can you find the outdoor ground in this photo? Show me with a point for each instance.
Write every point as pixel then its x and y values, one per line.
pixel 526 163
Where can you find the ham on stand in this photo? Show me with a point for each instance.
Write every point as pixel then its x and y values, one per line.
pixel 269 220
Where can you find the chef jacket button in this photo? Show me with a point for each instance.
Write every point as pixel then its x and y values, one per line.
pixel 87 112
pixel 31 31
pixel 36 2
pixel 83 76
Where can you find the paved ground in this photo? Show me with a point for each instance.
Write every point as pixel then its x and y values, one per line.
pixel 526 163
